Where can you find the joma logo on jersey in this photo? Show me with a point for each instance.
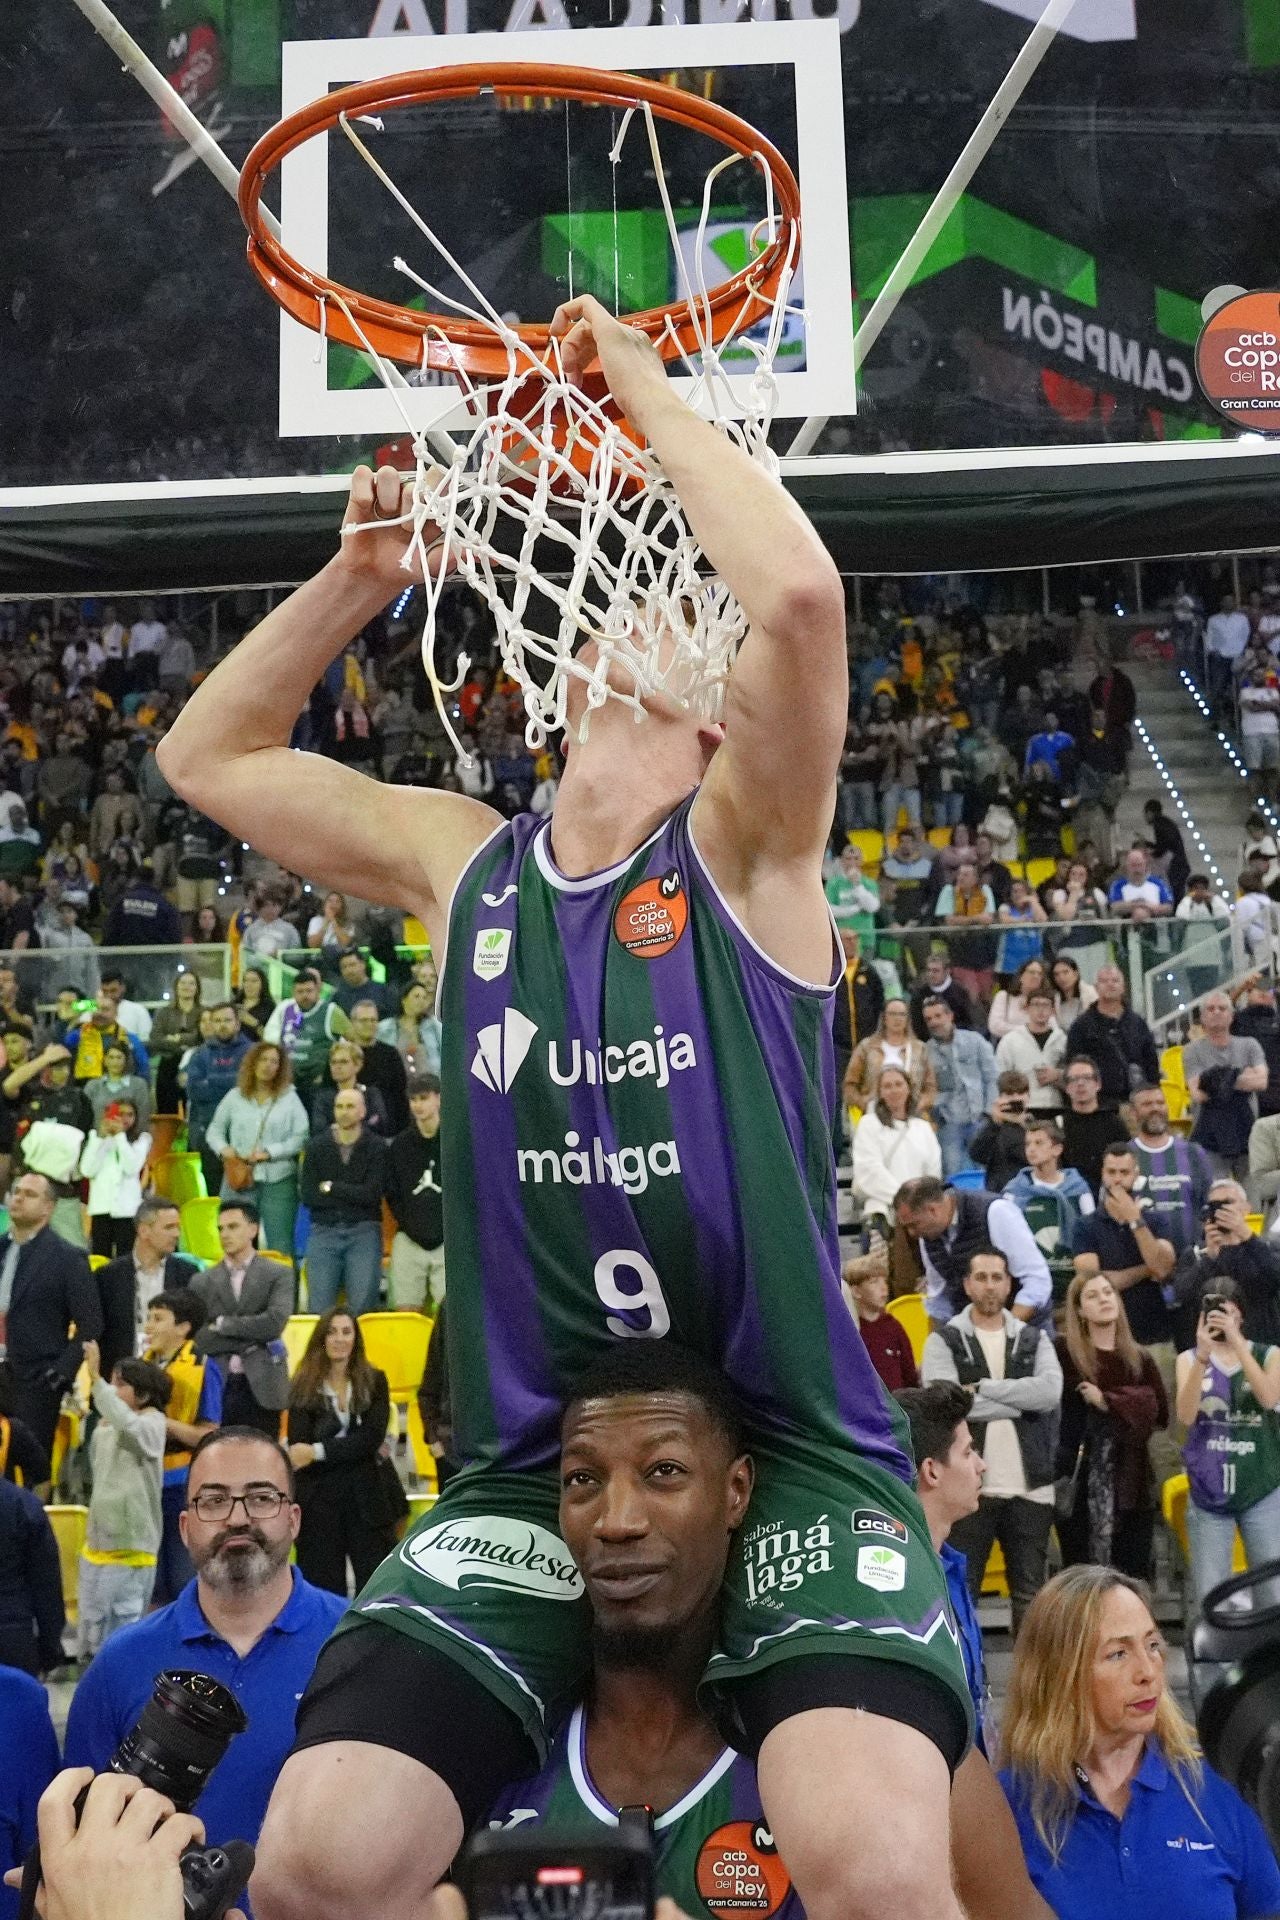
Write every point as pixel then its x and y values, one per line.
pixel 493 1551
pixel 594 1166
pixel 654 1059
pixel 783 1557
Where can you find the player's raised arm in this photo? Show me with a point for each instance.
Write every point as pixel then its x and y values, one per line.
pixel 228 752
pixel 788 691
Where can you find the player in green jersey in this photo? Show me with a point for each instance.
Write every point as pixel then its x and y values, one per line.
pixel 758 795
pixel 654 1487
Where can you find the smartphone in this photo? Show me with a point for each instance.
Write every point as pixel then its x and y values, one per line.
pixel 1212 1303
pixel 517 1875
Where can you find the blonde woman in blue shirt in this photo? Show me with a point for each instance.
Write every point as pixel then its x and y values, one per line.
pixel 1118 1814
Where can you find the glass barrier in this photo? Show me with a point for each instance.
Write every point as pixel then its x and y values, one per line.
pixel 1159 958
pixel 148 972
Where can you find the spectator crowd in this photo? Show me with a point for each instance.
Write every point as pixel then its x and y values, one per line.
pixel 1060 1259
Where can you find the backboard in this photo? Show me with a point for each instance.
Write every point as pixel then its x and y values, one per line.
pixel 1058 304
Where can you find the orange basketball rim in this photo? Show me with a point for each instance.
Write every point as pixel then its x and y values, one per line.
pixel 446 342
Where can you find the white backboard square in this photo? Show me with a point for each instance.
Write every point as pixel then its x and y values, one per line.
pixel 811 48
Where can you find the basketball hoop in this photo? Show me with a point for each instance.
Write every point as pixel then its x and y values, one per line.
pixel 553 459
pixel 443 341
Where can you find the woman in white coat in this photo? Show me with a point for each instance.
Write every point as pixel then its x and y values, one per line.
pixel 891 1144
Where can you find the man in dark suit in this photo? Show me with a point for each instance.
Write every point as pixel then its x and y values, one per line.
pixel 248 1299
pixel 46 1291
pixel 128 1285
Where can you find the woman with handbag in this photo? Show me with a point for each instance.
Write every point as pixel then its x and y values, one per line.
pixel 258 1131
pixel 339 1410
pixel 1113 1400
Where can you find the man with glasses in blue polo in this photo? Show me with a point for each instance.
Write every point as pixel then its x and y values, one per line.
pixel 247 1618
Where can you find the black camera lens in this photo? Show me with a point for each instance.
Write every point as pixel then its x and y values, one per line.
pixel 182 1733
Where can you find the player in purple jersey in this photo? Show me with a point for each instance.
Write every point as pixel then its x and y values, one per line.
pixel 764 782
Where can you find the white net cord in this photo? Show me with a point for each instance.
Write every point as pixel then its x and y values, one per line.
pixel 590 548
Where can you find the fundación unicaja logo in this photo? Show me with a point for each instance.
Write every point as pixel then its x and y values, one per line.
pixel 493 1550
pixel 882 1568
pixel 493 950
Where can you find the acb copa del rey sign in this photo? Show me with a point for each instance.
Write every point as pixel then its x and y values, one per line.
pixel 1238 357
pixel 1088 20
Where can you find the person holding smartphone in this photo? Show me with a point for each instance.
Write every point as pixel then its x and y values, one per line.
pixel 1228 1389
pixel 999 1146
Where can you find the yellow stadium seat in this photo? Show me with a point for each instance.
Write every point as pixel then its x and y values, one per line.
pixel 419 1503
pixel 415 934
pixel 1068 839
pixel 397 1342
pixel 297 1331
pixel 424 1461
pixel 1172 1066
pixel 164 1129
pixel 178 1177
pixel 274 1253
pixel 870 844
pixel 97 1260
pixel 909 1310
pixel 1255 1222
pixel 66 1440
pixel 995 1580
pixel 199 1217
pixel 1174 1495
pixel 1038 871
pixel 1173 1084
pixel 939 836
pixel 69 1526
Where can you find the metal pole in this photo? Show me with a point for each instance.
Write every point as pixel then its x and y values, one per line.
pixel 1046 603
pixel 1235 576
pixel 975 151
pixel 857 598
pixel 170 103
pixel 1137 583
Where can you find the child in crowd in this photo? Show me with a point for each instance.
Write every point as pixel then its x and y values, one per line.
pixel 118 1564
pixel 866 1282
pixel 174 1319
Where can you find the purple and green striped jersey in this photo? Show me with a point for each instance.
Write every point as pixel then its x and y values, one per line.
pixel 636 1138
pixel 1177 1180
pixel 713 1850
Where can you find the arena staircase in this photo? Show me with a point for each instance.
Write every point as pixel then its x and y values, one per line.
pixel 1215 796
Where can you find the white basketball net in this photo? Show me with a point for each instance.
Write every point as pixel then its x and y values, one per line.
pixel 631 572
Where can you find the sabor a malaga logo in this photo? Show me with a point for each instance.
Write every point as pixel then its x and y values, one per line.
pixel 492 1550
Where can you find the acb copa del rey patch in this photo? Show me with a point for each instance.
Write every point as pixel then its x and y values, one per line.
pixel 739 1870
pixel 651 918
